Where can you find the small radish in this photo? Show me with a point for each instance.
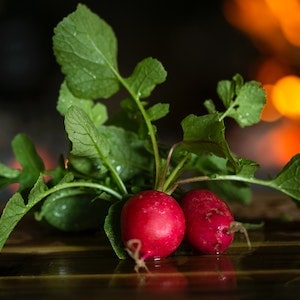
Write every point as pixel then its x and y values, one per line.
pixel 152 225
pixel 210 225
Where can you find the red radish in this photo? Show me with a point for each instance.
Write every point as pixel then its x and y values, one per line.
pixel 210 225
pixel 152 225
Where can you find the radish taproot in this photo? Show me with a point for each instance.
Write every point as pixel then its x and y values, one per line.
pixel 152 225
pixel 210 225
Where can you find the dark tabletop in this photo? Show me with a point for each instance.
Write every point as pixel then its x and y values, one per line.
pixel 39 263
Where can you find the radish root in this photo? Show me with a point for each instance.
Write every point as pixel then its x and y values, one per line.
pixel 238 227
pixel 133 247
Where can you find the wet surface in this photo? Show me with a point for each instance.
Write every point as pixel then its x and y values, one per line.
pixel 37 263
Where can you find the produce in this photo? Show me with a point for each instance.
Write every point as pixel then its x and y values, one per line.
pixel 210 225
pixel 117 155
pixel 156 220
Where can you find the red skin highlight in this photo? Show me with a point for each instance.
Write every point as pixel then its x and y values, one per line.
pixel 156 220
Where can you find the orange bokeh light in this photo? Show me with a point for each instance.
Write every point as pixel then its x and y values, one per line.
pixel 269 113
pixel 288 14
pixel 286 96
pixel 269 70
pixel 47 158
pixel 285 141
pixel 269 22
pixel 258 22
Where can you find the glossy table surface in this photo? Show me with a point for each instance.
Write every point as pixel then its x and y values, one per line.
pixel 38 263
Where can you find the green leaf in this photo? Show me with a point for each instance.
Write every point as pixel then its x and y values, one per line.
pixel 211 166
pixel 210 106
pixel 248 104
pixel 96 111
pixel 231 191
pixel 226 92
pixel 158 111
pixel 39 188
pixel 206 134
pixel 8 172
pixel 8 175
pixel 130 118
pixel 112 228
pixel 86 167
pixel 85 138
pixel 146 75
pixel 127 152
pixel 86 48
pixel 15 209
pixel 288 179
pixel 13 212
pixel 247 168
pixel 88 142
pixel 243 101
pixel 30 161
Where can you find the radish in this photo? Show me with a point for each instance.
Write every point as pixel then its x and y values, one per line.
pixel 152 225
pixel 210 225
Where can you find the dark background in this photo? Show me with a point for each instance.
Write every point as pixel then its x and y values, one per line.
pixel 192 39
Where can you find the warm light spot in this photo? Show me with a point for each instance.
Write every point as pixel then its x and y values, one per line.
pixel 272 145
pixel 286 96
pixel 269 70
pixel 257 20
pixel 269 113
pixel 47 158
pixel 253 16
pixel 285 141
pixel 288 14
pixel 282 8
pixel 291 28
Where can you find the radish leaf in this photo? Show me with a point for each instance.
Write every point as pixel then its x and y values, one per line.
pixel 146 75
pixel 206 134
pixel 243 101
pixel 16 208
pixel 86 48
pixel 288 179
pixel 96 111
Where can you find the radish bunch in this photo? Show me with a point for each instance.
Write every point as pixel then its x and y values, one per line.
pixel 154 224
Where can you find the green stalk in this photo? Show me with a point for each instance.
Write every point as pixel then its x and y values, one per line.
pixel 174 174
pixel 151 131
pixel 165 169
pixel 117 178
pixel 224 114
pixel 93 185
pixel 251 180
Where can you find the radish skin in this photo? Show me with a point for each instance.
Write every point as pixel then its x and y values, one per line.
pixel 152 225
pixel 210 225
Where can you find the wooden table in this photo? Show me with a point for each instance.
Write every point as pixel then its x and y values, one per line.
pixel 38 263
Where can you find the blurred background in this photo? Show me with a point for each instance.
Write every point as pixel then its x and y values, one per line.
pixel 198 42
